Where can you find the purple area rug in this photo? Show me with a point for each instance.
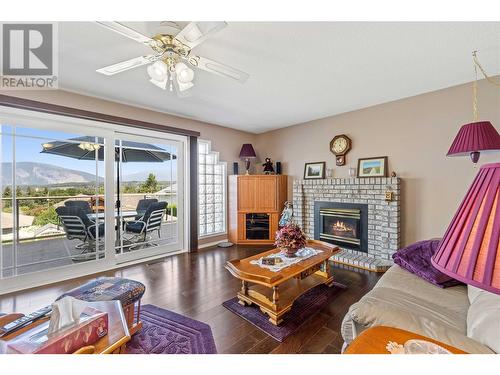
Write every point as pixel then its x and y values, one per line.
pixel 305 307
pixel 165 332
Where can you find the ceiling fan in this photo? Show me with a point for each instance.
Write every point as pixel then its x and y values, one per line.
pixel 172 55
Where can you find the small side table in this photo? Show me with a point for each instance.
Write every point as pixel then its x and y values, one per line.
pixel 374 341
pixel 113 343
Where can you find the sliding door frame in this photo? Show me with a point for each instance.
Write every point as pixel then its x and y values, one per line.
pixel 12 107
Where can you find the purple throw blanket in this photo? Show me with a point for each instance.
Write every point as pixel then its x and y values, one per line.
pixel 416 259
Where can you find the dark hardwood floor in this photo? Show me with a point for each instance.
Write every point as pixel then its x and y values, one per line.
pixel 196 284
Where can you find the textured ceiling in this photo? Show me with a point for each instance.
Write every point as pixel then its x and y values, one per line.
pixel 299 71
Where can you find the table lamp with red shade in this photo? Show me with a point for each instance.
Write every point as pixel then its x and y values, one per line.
pixel 247 152
pixel 469 251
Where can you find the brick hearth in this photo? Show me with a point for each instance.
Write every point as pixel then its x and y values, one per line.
pixel 383 217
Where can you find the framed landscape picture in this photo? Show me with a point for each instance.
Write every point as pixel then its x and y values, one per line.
pixel 372 167
pixel 313 171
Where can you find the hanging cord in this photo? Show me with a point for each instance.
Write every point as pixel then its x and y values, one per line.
pixel 475 110
pixel 478 65
pixel 474 85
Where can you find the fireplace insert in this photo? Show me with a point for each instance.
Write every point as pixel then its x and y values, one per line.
pixel 343 224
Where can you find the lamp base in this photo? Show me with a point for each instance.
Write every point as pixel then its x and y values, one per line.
pixel 474 156
pixel 247 166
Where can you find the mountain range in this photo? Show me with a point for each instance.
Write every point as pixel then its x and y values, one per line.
pixel 40 174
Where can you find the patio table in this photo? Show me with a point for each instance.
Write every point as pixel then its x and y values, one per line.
pixel 124 214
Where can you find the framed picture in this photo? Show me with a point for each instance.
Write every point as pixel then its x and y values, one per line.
pixel 372 167
pixel 314 171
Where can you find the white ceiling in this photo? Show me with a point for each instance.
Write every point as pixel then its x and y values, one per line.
pixel 299 71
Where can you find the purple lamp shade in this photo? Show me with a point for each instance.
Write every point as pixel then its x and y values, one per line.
pixel 247 151
pixel 473 138
pixel 469 250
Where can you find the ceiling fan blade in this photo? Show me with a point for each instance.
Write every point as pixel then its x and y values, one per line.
pixel 197 32
pixel 127 31
pixel 128 64
pixel 217 68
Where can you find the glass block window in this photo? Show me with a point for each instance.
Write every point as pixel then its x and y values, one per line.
pixel 211 191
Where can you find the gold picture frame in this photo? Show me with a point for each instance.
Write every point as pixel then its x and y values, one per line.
pixel 372 167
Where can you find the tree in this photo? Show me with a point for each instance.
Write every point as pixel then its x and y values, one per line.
pixel 46 216
pixel 7 192
pixel 150 185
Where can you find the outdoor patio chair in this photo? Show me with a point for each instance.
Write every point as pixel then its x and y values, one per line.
pixel 143 205
pixel 78 226
pixel 97 204
pixel 84 205
pixel 150 222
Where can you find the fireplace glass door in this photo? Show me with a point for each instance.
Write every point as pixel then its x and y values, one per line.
pixel 341 226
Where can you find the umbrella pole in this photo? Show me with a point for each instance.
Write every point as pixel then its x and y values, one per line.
pixel 118 203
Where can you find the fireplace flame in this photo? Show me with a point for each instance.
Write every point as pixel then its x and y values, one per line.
pixel 339 225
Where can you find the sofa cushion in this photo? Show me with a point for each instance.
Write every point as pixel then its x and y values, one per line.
pixel 453 298
pixel 483 318
pixel 416 258
pixel 403 300
pixel 395 308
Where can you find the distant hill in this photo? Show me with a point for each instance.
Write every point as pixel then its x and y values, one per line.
pixel 30 173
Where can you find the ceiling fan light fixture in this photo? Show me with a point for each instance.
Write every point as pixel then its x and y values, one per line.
pixel 162 84
pixel 158 71
pixel 184 74
pixel 184 86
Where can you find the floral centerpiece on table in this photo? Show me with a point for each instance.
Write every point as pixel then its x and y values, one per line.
pixel 290 239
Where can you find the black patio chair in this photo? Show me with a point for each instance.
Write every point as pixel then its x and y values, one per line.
pixel 84 205
pixel 150 222
pixel 143 205
pixel 78 226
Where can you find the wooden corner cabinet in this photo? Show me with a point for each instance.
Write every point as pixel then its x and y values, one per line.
pixel 255 205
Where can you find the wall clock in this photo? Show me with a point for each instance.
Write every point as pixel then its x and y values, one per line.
pixel 340 146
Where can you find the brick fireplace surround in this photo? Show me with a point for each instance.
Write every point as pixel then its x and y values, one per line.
pixel 384 218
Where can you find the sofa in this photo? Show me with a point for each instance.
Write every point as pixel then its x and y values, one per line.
pixel 403 300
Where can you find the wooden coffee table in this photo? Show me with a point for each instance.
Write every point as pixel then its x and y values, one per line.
pixel 275 292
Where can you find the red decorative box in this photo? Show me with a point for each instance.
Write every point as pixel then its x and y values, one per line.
pixel 92 326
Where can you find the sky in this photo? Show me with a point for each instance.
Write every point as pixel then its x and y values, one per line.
pixel 29 144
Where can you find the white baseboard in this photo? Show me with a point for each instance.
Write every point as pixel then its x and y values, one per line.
pixel 209 244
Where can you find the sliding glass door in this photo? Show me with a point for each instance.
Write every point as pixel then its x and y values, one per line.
pixel 49 181
pixel 80 197
pixel 149 188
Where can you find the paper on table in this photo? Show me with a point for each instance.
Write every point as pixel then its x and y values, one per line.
pixel 65 312
pixel 302 254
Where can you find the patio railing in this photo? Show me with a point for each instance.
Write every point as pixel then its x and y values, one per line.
pixel 42 209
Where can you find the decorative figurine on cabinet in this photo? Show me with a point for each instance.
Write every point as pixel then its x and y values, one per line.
pixel 286 215
pixel 268 166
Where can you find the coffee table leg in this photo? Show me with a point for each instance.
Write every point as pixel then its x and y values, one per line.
pixel 325 272
pixel 244 291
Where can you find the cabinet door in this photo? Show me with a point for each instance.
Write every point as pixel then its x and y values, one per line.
pixel 247 187
pixel 266 194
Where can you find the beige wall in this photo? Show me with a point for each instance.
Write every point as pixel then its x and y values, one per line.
pixel 415 134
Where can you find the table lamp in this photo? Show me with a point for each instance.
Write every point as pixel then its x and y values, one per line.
pixel 247 152
pixel 469 251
